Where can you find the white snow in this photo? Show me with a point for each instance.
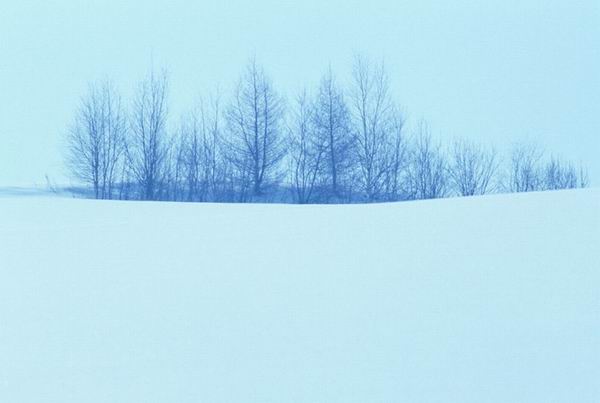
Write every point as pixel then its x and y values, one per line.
pixel 488 299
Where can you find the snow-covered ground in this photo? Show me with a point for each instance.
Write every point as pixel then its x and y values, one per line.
pixel 489 299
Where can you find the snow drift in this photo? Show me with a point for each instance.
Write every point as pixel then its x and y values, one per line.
pixel 488 299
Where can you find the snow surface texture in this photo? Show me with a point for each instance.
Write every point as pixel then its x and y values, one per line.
pixel 489 299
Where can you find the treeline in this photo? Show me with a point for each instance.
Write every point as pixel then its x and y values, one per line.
pixel 331 144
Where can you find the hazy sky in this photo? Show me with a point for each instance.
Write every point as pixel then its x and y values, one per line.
pixel 497 71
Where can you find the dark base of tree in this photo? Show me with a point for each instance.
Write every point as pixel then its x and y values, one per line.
pixel 275 195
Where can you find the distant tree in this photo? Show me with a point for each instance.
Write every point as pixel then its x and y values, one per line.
pixel 529 172
pixel 472 168
pixel 126 185
pixel 332 124
pixel 215 164
pixel 557 174
pixel 427 171
pixel 148 145
pixel 192 153
pixel 255 143
pixel 306 152
pixel 335 146
pixel 173 186
pixel 525 173
pixel 374 118
pixel 396 179
pixel 201 154
pixel 584 179
pixel 96 139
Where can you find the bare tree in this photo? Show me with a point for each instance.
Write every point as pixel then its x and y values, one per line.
pixel 306 152
pixel 148 145
pixel 584 179
pixel 472 168
pixel 396 180
pixel 202 161
pixel 557 174
pixel 215 166
pixel 191 151
pixel 334 150
pixel 96 139
pixel 427 170
pixel 374 119
pixel 332 124
pixel 173 184
pixel 255 146
pixel 525 172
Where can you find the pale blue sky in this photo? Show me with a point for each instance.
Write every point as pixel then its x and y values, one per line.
pixel 497 71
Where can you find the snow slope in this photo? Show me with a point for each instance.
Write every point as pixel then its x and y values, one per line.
pixel 489 299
